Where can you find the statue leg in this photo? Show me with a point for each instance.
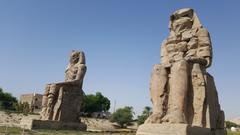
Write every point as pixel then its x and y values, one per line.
pixel 199 94
pixel 158 93
pixel 178 91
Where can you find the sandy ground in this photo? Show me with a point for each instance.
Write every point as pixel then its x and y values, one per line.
pixel 13 119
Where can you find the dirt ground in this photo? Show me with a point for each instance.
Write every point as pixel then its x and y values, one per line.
pixel 10 123
pixel 19 131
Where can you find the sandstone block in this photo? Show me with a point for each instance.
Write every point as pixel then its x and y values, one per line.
pixel 172 129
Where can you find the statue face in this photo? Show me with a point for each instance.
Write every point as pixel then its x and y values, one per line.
pixel 182 23
pixel 181 19
pixel 74 57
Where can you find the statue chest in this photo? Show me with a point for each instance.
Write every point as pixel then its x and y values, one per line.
pixel 182 45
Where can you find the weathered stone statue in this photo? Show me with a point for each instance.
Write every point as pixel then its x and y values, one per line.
pixel 183 94
pixel 70 91
pixel 62 101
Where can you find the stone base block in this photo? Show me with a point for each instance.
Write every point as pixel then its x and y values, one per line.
pixel 220 132
pixel 171 129
pixel 56 125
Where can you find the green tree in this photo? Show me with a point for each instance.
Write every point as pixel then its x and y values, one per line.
pixel 104 102
pixel 7 100
pixel 123 116
pixel 145 114
pixel 230 124
pixel 95 103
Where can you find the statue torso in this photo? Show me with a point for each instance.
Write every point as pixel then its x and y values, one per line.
pixel 71 72
pixel 182 45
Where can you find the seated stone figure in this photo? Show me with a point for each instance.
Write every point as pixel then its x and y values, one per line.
pixel 61 101
pixel 181 89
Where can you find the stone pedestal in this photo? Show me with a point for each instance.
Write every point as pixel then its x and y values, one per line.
pixel 175 129
pixel 54 125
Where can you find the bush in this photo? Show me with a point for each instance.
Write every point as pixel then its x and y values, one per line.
pixel 145 114
pixel 95 103
pixel 230 124
pixel 123 116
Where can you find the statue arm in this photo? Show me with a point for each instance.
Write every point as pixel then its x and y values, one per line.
pixel 81 72
pixel 204 50
pixel 204 46
pixel 79 76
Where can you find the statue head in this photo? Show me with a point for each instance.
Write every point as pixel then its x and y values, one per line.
pixel 77 57
pixel 183 19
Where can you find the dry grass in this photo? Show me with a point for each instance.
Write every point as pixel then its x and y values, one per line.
pixel 233 133
pixel 19 131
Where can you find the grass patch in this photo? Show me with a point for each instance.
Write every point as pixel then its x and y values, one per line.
pixel 57 132
pixel 19 131
pixel 233 133
pixel 10 130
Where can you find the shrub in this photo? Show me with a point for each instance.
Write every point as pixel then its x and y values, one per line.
pixel 123 116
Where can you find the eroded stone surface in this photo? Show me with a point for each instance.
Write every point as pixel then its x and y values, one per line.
pixel 171 129
pixel 181 89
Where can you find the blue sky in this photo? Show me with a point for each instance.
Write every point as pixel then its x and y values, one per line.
pixel 121 40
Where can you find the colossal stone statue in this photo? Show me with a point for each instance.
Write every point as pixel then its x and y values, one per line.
pixel 62 101
pixel 182 92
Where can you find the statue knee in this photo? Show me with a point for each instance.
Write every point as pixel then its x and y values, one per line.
pixel 159 69
pixel 53 88
pixel 47 86
pixel 182 65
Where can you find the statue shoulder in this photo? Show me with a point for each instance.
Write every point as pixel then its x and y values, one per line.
pixel 203 32
pixel 164 42
pixel 81 67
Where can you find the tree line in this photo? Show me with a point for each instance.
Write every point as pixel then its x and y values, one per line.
pixel 91 103
pixel 7 101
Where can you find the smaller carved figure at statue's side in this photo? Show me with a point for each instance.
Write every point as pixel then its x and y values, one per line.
pixel 45 102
